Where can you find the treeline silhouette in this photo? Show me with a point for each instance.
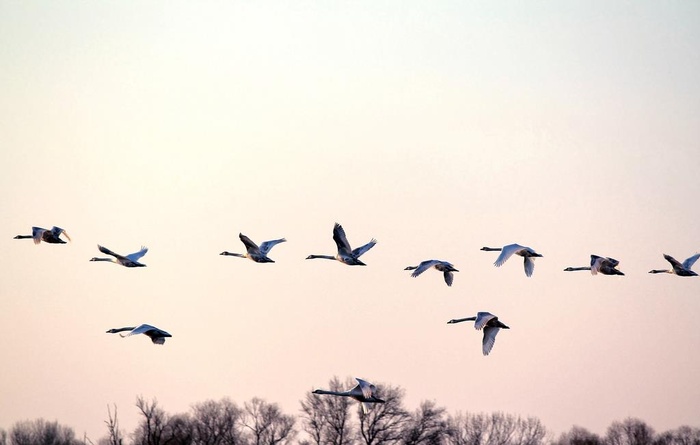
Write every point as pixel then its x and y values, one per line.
pixel 333 420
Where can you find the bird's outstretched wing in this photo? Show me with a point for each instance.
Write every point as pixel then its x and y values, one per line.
pixel 423 266
pixel 688 263
pixel 482 318
pixel 137 255
pixel 109 252
pixel 140 329
pixel 340 239
pixel 529 265
pixel 37 234
pixel 489 338
pixel 506 253
pixel 57 231
pixel 365 387
pixel 449 277
pixel 674 262
pixel 362 249
pixel 250 246
pixel 267 245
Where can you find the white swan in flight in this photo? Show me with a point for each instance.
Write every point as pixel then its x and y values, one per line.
pixel 130 260
pixel 253 252
pixel 364 393
pixel 599 264
pixel 507 251
pixel 443 266
pixel 156 335
pixel 47 236
pixel 346 254
pixel 680 269
pixel 490 324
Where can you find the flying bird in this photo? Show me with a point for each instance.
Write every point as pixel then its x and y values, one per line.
pixel 680 269
pixel 599 264
pixel 507 251
pixel 253 252
pixel 346 254
pixel 130 260
pixel 490 324
pixel 156 335
pixel 364 392
pixel 47 236
pixel 443 266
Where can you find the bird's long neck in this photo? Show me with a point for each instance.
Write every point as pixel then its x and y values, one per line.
pixel 570 269
pixel 23 236
pixel 660 271
pixel 128 328
pixel 492 249
pixel 232 254
pixel 111 260
pixel 332 393
pixel 326 257
pixel 459 320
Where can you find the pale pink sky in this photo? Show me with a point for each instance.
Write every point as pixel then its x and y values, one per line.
pixel 435 127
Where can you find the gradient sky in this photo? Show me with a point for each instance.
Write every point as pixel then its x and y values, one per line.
pixel 435 127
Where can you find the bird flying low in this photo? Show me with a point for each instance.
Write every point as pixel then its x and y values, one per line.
pixel 48 236
pixel 677 268
pixel 130 260
pixel 156 335
pixel 346 254
pixel 364 392
pixel 489 323
pixel 253 252
pixel 442 266
pixel 599 264
pixel 507 251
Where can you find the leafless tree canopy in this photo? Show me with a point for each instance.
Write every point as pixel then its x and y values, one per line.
pixel 629 432
pixel 385 422
pixel 334 420
pixel 40 432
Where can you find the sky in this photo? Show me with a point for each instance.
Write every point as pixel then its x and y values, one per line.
pixel 435 127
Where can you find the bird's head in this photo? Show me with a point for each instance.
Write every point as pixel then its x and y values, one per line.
pixel 18 237
pixel 94 259
pixel 410 268
pixel 112 331
pixel 453 321
pixel 568 269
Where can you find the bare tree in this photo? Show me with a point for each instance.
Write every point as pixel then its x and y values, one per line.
pixel 426 426
pixel 150 430
pixel 217 423
pixel 267 424
pixel 630 432
pixel 327 418
pixel 495 429
pixel 114 435
pixel 41 432
pixel 683 435
pixel 579 436
pixel 384 423
pixel 178 430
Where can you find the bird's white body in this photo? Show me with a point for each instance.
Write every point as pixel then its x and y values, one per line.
pixel 364 392
pixel 527 253
pixel 443 266
pixel 490 325
pixel 130 260
pixel 253 252
pixel 346 254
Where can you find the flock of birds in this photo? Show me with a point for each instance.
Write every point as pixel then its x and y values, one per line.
pixel 365 392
